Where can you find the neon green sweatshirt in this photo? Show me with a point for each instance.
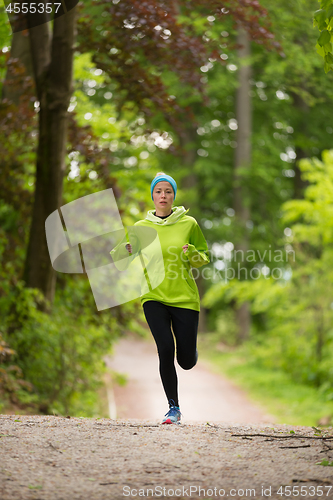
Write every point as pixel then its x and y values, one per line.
pixel 167 269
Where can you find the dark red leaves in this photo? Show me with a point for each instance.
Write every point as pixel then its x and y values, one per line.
pixel 150 35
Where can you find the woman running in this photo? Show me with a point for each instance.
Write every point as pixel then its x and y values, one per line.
pixel 176 300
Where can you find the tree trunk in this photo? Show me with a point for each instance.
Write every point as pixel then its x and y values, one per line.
pixel 53 70
pixel 243 159
pixel 302 112
pixel 320 333
pixel 20 49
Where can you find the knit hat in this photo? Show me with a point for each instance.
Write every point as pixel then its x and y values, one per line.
pixel 163 177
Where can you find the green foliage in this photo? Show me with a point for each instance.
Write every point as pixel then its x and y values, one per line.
pixel 11 381
pixel 60 354
pixel 226 328
pixel 323 19
pixel 134 112
pixel 51 363
pixel 120 135
pixel 275 391
pixel 315 212
pixel 5 29
pixel 295 332
pixel 292 108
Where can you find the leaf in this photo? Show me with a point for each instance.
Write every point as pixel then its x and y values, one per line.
pixel 319 20
pixel 327 48
pixel 329 11
pixel 324 38
pixel 327 67
pixel 329 58
pixel 320 50
pixel 292 432
pixel 325 463
pixel 325 4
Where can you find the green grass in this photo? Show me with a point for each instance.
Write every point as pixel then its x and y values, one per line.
pixel 272 390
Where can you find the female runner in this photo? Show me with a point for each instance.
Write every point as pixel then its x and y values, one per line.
pixel 176 300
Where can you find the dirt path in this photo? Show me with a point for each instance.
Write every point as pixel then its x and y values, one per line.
pixel 203 395
pixel 230 453
pixel 56 458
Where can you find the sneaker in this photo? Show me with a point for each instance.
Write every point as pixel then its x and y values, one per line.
pixel 173 415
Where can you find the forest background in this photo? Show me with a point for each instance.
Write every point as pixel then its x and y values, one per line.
pixel 232 100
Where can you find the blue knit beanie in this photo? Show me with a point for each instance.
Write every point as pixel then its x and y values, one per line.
pixel 163 177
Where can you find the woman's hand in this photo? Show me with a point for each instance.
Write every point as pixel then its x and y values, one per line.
pixel 129 247
pixel 185 247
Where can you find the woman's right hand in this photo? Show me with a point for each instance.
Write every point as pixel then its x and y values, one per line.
pixel 129 247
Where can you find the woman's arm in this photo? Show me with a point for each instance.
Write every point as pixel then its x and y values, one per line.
pixel 197 251
pixel 122 254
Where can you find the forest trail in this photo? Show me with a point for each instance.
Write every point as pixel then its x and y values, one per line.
pixel 203 395
pixel 59 458
pixel 225 446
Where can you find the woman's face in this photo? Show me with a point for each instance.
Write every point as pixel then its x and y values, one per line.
pixel 163 196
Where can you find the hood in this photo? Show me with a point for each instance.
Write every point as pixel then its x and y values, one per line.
pixel 177 213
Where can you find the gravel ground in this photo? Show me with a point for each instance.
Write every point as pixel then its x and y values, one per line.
pixel 58 458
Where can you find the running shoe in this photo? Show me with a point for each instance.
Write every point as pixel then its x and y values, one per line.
pixel 173 415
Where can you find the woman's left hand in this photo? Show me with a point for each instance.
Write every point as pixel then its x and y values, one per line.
pixel 185 247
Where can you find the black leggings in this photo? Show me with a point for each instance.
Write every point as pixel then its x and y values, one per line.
pixel 185 328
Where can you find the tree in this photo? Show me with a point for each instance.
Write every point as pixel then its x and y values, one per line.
pixel 136 71
pixel 243 161
pixel 52 60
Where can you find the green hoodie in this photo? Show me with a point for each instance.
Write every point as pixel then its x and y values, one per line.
pixel 167 268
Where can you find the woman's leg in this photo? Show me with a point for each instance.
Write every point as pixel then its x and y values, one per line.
pixel 185 327
pixel 159 322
